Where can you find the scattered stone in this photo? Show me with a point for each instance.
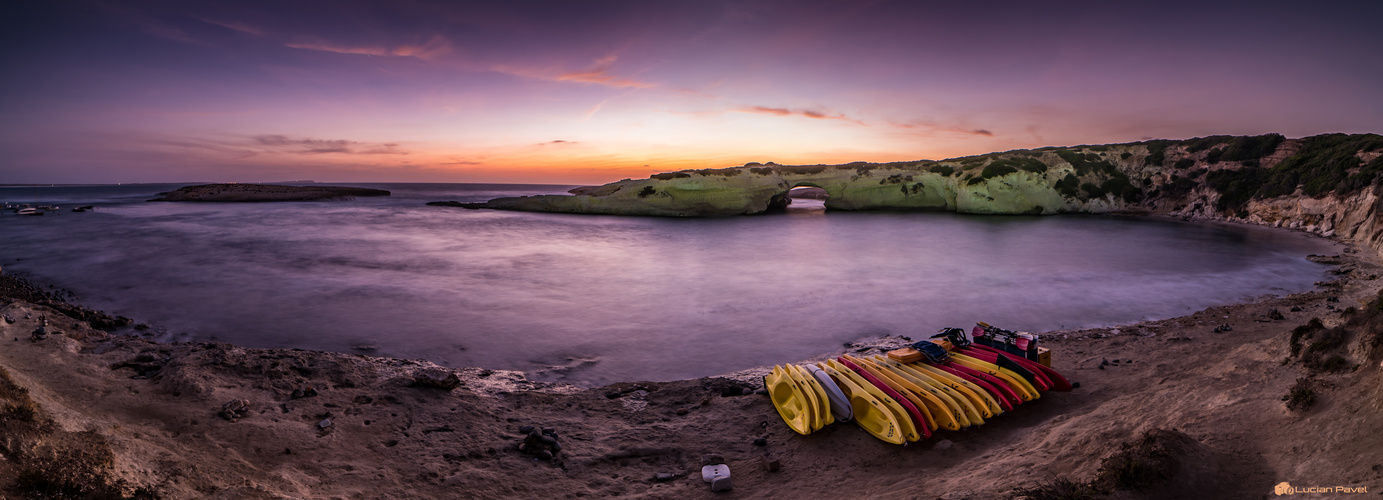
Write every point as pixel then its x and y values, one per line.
pixel 712 459
pixel 760 442
pixel 326 422
pixel 772 464
pixel 682 411
pixel 234 409
pixel 304 393
pixel 1075 385
pixel 9 319
pixel 944 444
pixel 1295 309
pixel 363 400
pixel 761 391
pixel 41 332
pixel 436 378
pixel 1332 299
pixel 544 446
pixel 526 429
pixel 663 476
pixel 1275 315
pixel 746 391
pixel 721 483
pixel 1224 327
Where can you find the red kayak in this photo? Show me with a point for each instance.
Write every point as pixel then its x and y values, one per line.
pixel 1004 392
pixel 1038 380
pixel 993 391
pixel 923 426
pixel 1055 379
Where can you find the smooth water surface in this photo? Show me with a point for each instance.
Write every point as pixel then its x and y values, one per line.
pixel 598 299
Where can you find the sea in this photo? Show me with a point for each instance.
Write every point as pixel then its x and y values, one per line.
pixel 591 300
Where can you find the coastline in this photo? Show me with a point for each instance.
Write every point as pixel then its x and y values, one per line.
pixel 394 433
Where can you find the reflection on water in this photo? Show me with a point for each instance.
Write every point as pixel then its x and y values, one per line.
pixel 616 298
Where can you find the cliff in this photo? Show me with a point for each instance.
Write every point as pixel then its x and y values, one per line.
pixel 1326 184
pixel 266 192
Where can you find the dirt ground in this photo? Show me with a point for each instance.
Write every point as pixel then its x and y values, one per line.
pixel 88 414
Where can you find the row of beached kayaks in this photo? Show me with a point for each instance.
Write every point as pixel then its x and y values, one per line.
pixel 901 402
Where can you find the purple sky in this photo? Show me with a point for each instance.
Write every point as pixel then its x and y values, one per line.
pixel 591 92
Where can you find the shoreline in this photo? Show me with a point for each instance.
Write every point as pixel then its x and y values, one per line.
pixel 407 429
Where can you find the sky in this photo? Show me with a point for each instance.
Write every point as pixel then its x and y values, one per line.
pixel 588 92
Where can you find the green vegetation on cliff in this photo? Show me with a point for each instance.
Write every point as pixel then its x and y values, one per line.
pixel 1330 163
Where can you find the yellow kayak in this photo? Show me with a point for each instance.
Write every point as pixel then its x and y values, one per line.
pixel 789 399
pixel 870 413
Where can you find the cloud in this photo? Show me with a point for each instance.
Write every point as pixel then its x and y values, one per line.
pixel 599 73
pixel 307 145
pixel 806 113
pixel 933 127
pixel 231 25
pixel 435 48
pixel 559 141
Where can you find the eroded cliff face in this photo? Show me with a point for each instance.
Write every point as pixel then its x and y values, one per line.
pixel 1323 184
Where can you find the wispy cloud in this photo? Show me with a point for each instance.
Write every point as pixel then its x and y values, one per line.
pixel 231 25
pixel 934 127
pixel 307 145
pixel 806 113
pixel 599 73
pixel 435 48
pixel 556 142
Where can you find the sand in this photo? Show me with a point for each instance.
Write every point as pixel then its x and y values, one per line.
pixel 128 416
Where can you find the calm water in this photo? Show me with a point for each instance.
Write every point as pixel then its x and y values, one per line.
pixel 609 298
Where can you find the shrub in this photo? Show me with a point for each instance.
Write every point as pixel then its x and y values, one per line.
pixel 1157 152
pixel 1184 164
pixel 1304 332
pixel 1091 190
pixel 1058 489
pixel 1141 464
pixel 1301 396
pixel 1236 187
pixel 997 169
pixel 1068 186
pixel 1125 155
pixel 944 170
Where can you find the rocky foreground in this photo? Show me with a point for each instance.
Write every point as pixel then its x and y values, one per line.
pixel 266 192
pixel 1223 403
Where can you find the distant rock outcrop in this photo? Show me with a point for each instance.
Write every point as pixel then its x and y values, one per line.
pixel 1327 184
pixel 266 192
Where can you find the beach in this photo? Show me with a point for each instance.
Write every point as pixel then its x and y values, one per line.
pixel 168 418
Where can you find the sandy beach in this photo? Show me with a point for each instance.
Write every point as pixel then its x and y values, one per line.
pixel 90 413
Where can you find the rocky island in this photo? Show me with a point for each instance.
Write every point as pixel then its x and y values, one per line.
pixel 266 192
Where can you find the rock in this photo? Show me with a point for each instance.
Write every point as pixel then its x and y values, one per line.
pixel 663 476
pixel 1275 315
pixel 682 411
pixel 746 391
pixel 1075 385
pixel 326 422
pixel 944 444
pixel 1295 309
pixel 234 409
pixel 266 192
pixel 545 454
pixel 555 447
pixel 712 459
pixel 526 429
pixel 761 391
pixel 760 442
pixel 772 464
pixel 436 378
pixel 721 483
pixel 297 393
